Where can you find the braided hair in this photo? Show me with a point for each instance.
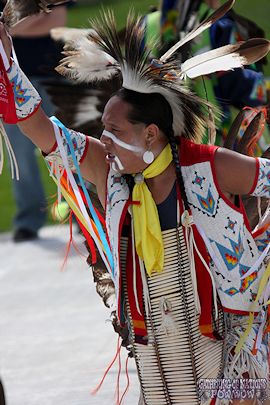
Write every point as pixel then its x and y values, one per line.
pixel 153 108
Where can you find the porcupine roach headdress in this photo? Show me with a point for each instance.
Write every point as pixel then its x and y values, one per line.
pixel 99 56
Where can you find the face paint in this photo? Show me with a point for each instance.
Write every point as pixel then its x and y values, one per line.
pixel 117 165
pixel 124 145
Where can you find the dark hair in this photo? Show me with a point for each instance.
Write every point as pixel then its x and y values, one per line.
pixel 148 109
pixel 153 108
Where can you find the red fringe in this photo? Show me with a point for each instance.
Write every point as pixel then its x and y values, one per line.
pixel 118 378
pixel 127 386
pixel 95 390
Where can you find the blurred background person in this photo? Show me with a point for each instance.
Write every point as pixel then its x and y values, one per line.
pixel 238 88
pixel 234 89
pixel 38 55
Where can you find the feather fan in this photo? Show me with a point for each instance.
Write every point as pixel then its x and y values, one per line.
pixel 216 15
pixel 16 10
pixel 251 136
pixel 244 146
pixel 225 58
pixel 233 131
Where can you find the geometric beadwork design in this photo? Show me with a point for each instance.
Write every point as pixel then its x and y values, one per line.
pixel 243 269
pixel 198 180
pixel 19 93
pixel 207 204
pixel 262 188
pixel 246 283
pixel 231 257
pixel 231 225
pixel 232 291
pixel 26 97
pixel 262 243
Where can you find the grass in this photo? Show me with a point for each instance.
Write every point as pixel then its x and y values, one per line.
pixel 80 15
pixel 258 11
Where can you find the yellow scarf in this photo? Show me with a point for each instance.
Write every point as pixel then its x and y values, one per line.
pixel 148 238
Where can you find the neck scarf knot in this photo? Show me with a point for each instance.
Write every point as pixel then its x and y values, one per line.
pixel 148 237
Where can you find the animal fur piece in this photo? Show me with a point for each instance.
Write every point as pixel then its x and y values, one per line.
pixel 105 287
pixel 16 10
pixel 245 145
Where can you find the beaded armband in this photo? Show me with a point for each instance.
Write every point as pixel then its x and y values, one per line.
pixel 261 186
pixel 27 100
pixel 79 142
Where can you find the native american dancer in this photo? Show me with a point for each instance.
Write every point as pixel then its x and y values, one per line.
pixel 191 278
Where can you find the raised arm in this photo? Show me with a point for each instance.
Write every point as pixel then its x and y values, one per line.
pixel 40 24
pixel 38 127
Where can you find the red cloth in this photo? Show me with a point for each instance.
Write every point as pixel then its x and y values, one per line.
pixel 7 103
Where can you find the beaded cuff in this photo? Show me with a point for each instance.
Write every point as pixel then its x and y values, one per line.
pixel 80 144
pixel 27 100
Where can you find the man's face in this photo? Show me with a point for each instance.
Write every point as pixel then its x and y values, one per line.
pixel 123 141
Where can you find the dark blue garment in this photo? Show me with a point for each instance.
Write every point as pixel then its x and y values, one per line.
pixel 37 56
pixel 167 211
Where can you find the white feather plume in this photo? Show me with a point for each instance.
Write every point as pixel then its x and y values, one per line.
pixel 86 62
pixel 66 34
pixel 220 63
pixel 201 28
pixel 225 58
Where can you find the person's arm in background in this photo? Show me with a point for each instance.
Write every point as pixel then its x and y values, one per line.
pixel 40 24
pixel 35 124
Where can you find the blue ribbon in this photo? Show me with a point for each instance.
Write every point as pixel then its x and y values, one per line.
pixel 90 205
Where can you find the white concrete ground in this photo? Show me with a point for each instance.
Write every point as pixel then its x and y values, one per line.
pixel 54 342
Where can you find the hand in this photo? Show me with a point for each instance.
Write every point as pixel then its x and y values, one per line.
pixel 6 40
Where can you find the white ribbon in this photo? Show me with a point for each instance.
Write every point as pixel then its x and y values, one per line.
pixel 78 194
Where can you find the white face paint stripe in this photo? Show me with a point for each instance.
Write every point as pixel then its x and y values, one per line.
pixel 121 143
pixel 118 162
